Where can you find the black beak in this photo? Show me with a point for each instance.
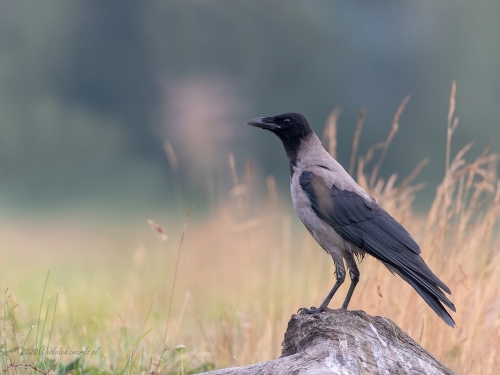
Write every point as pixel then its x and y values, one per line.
pixel 264 123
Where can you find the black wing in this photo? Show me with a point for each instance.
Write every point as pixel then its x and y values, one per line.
pixel 369 227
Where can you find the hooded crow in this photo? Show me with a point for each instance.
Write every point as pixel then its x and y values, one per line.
pixel 345 220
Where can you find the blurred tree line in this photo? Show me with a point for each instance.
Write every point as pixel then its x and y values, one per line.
pixel 90 90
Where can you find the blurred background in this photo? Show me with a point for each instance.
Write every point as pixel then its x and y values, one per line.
pixel 116 112
pixel 90 91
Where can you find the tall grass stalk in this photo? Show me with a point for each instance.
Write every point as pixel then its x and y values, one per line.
pixel 41 304
pixel 186 221
pixel 40 342
pixel 53 320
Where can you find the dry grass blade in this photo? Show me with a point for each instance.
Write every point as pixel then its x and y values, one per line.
pixel 330 132
pixel 232 167
pixel 186 221
pixel 355 141
pixel 158 229
pixel 363 161
pixel 236 184
pixel 452 124
pixel 171 156
pixel 272 190
pixel 408 180
pixel 392 133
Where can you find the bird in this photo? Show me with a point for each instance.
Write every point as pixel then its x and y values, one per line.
pixel 345 220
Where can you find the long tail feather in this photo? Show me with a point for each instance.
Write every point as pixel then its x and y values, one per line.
pixel 430 295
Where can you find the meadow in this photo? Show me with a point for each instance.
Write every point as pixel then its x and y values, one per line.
pixel 220 290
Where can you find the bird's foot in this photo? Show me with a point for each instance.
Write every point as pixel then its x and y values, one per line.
pixel 312 310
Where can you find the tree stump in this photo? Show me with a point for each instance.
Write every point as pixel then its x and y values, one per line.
pixel 345 343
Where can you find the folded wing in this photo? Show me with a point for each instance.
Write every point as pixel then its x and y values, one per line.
pixel 369 227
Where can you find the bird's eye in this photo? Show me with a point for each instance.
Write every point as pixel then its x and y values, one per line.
pixel 286 121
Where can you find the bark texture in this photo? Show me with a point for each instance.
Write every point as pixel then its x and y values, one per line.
pixel 345 343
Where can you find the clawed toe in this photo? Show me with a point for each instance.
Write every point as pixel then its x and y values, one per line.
pixel 312 310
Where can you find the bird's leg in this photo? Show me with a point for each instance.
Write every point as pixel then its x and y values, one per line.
pixel 340 274
pixel 354 274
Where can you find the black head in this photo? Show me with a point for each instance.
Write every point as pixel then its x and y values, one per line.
pixel 285 126
pixel 291 128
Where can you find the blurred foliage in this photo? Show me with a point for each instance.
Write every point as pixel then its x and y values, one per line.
pixel 88 89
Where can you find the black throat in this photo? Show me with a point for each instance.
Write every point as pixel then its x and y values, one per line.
pixel 292 147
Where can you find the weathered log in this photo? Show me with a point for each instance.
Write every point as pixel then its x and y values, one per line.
pixel 345 343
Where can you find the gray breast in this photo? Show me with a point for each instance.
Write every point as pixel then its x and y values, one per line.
pixel 323 233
